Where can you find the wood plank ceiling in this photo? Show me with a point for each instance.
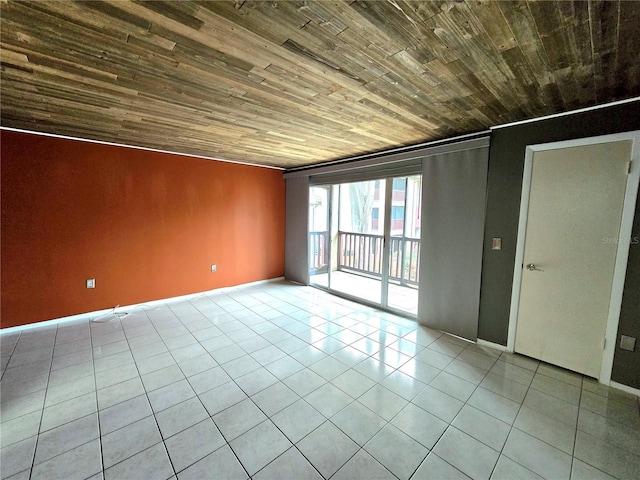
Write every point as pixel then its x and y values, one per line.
pixel 290 83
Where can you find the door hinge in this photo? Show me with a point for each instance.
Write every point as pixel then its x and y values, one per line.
pixel 629 168
pixel 604 343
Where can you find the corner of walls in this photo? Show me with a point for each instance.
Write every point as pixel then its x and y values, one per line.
pixel 145 225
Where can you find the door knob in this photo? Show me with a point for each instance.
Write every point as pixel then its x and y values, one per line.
pixel 531 267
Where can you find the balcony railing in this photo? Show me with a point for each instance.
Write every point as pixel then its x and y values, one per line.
pixel 361 252
pixel 318 252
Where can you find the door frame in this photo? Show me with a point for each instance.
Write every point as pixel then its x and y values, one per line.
pixel 622 254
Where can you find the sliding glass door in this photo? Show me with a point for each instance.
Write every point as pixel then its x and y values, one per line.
pixel 364 240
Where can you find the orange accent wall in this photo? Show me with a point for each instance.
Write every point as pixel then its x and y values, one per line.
pixel 145 225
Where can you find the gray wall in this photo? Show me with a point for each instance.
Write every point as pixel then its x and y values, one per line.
pixel 506 164
pixel 626 365
pixel 453 207
pixel 296 256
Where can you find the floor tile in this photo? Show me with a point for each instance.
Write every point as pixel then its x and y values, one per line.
pixel 162 378
pixel 434 467
pixel 284 367
pixel 513 372
pixel 80 463
pixel 433 358
pixel 69 374
pixel 353 383
pixel 65 412
pixel 603 456
pixel 118 375
pixel 358 422
pixel 507 469
pixel 564 391
pixel 478 357
pixel 197 364
pixel 151 381
pixel 404 385
pixel 150 463
pixel 383 401
pixel 274 398
pixel 467 454
pixel 241 366
pixel 363 465
pixel 537 456
pixel 170 395
pixel 304 382
pixel 297 420
pixel 482 426
pixel 466 372
pixel 328 449
pixel 420 425
pixel 209 379
pixel 444 345
pixel 129 440
pixel 610 407
pixel 193 444
pixel 398 452
pixel 308 355
pixel 329 368
pixel 593 386
pixel 561 374
pixel 19 428
pixel 454 386
pixel 223 462
pixel 68 390
pixel 438 403
pixel 268 354
pixel 551 406
pixel 503 386
pixel 190 351
pixel 120 392
pixel 17 457
pixel 500 407
pixel 547 429
pixel 420 371
pixel 17 407
pixel 291 464
pixel 239 418
pixel 222 397
pixel 259 446
pixel 519 361
pixel 20 387
pixel 256 381
pixel 618 434
pixel 328 400
pixel 180 417
pixel 584 471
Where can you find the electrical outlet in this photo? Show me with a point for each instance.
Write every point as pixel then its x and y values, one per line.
pixel 496 243
pixel 627 343
pixel 91 283
pixel 214 267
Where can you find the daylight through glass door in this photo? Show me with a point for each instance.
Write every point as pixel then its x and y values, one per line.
pixel 364 240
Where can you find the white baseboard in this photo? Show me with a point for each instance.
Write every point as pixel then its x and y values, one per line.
pixel 625 388
pixel 495 346
pixel 98 313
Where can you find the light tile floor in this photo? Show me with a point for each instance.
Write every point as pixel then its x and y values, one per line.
pixel 280 381
pixel 401 297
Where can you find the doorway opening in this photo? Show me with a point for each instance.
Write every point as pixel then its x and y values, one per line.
pixel 364 240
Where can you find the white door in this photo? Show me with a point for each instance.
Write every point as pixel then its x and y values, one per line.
pixel 572 234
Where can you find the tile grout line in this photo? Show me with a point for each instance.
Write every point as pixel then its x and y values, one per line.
pixel 35 449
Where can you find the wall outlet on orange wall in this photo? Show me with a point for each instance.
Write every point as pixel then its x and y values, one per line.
pixel 91 283
pixel 214 267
